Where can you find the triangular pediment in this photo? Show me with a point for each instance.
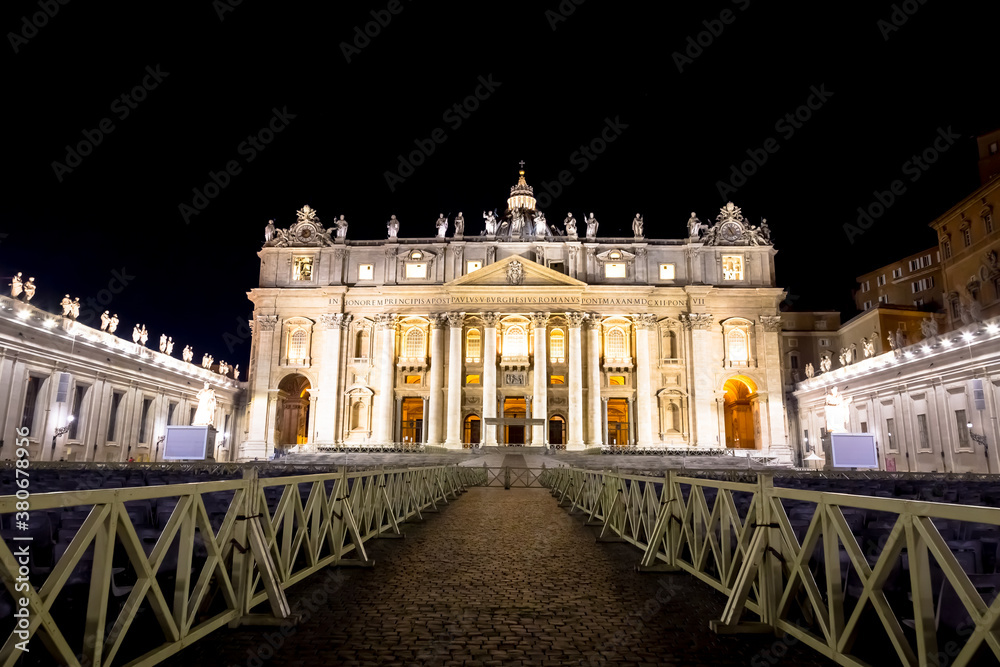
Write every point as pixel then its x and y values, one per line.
pixel 502 274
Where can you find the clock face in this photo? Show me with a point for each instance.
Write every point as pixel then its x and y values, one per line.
pixel 730 231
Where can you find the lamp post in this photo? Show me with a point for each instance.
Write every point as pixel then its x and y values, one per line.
pixel 980 440
pixel 60 431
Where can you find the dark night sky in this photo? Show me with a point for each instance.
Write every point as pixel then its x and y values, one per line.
pixel 118 210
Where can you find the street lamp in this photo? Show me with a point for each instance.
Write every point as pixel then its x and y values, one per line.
pixel 60 431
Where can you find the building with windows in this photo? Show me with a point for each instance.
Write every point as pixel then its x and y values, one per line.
pixel 911 281
pixel 88 395
pixel 524 332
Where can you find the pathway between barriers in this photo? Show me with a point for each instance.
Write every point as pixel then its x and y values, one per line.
pixel 501 577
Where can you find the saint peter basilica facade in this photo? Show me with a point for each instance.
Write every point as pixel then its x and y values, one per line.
pixel 517 331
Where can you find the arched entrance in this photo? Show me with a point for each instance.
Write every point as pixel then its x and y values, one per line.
pixel 471 434
pixel 618 422
pixel 291 423
pixel 557 430
pixel 740 414
pixel 514 408
pixel 412 420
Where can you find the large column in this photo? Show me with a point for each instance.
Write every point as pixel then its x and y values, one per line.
pixel 575 379
pixel 595 410
pixel 644 391
pixel 454 417
pixel 490 375
pixel 264 356
pixel 540 404
pixel 328 392
pixel 436 382
pixel 423 425
pixel 705 428
pixel 386 326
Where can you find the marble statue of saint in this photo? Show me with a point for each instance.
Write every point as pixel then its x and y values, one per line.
pixel 143 335
pixel 868 346
pixel 105 320
pixel 765 231
pixel 592 226
pixel 29 289
pixel 929 327
pixel 810 371
pixel 516 224
pixel 223 367
pixel 837 412
pixel 269 231
pixel 637 226
pixel 205 415
pixel 113 323
pixel 975 310
pixel 206 361
pixel 67 305
pixel 163 342
pixel 187 353
pixel 135 334
pixel 694 226
pixel 541 228
pixel 490 219
pixel 341 228
pixel 825 363
pixel 901 341
pixel 441 225
pixel 170 345
pixel 392 226
pixel 17 285
pixel 459 225
pixel 236 372
pixel 74 308
pixel 570 224
pixel 844 359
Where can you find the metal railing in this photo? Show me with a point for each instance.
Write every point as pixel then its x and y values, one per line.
pixel 203 570
pixel 511 477
pixel 737 537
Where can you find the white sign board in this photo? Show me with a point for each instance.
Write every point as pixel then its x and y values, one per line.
pixel 854 450
pixel 189 443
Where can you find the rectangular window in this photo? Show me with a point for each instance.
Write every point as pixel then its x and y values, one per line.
pixel 116 400
pixel 416 270
pixel 955 313
pixel 412 379
pixel 988 222
pixel 824 342
pixel 794 359
pixel 897 273
pixel 366 271
pixel 30 399
pixel 302 268
pixel 924 434
pixel 962 422
pixel 806 432
pixel 927 260
pixel 890 432
pixel 946 247
pixel 864 427
pixel 614 270
pixel 732 267
pixel 666 271
pixel 194 411
pixel 471 379
pixel 793 342
pixel 473 266
pixel 865 286
pixel 170 414
pixel 918 302
pixel 74 426
pixel 557 379
pixel 883 299
pixel 616 380
pixel 867 305
pixel 881 280
pixel 144 420
pixel 967 237
pixel 994 147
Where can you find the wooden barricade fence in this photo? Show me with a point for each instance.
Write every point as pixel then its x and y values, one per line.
pixel 275 532
pixel 737 538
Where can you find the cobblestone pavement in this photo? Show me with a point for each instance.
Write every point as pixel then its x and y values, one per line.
pixel 498 578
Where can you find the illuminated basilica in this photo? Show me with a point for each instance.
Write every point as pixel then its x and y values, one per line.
pixel 521 331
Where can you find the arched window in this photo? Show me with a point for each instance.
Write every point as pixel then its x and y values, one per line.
pixel 515 341
pixel 473 346
pixel 361 344
pixel 414 344
pixel 358 415
pixel 557 346
pixel 614 344
pixel 739 351
pixel 669 345
pixel 297 344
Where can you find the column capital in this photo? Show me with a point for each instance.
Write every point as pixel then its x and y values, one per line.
pixel 385 321
pixel 438 320
pixel 771 322
pixel 575 318
pixel 455 320
pixel 593 322
pixel 267 322
pixel 539 320
pixel 644 321
pixel 490 320
pixel 697 321
pixel 330 321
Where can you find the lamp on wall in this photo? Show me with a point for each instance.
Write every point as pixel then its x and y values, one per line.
pixel 60 431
